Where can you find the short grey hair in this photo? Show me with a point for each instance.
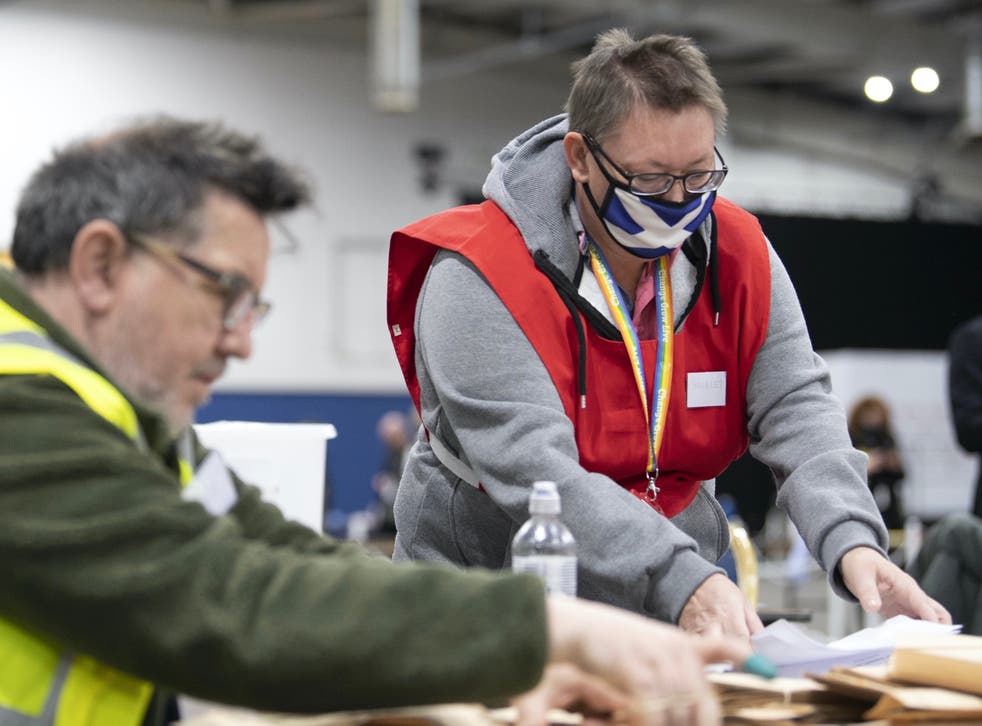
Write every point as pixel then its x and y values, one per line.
pixel 662 71
pixel 149 178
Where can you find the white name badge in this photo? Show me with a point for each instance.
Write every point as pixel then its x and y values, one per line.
pixel 212 486
pixel 706 389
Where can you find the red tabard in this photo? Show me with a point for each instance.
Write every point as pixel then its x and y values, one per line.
pixel 611 433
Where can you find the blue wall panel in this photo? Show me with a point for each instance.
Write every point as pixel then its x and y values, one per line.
pixel 352 458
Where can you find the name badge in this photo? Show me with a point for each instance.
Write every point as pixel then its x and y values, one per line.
pixel 212 486
pixel 706 389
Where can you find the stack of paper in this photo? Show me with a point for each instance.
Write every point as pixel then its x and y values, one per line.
pixel 898 702
pixel 748 698
pixel 950 662
pixel 922 654
pixel 796 654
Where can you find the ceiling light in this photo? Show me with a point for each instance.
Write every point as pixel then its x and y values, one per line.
pixel 925 79
pixel 878 88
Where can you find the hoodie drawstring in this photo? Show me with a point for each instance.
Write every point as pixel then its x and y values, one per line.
pixel 566 293
pixel 714 275
pixel 581 340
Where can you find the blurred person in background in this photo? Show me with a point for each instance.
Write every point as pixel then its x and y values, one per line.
pixel 871 432
pixel 965 392
pixel 394 430
pixel 949 568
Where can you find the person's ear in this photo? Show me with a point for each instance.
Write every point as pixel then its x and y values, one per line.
pixel 574 146
pixel 97 264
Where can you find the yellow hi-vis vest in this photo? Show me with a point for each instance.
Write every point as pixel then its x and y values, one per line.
pixel 41 685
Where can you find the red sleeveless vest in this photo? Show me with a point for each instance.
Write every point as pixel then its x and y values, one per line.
pixel 611 434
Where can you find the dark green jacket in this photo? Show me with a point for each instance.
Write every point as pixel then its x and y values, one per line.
pixel 99 553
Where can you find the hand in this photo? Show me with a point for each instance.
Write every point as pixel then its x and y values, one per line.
pixel 882 587
pixel 717 607
pixel 566 686
pixel 876 462
pixel 658 666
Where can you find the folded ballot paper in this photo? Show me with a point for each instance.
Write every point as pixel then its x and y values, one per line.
pixel 795 653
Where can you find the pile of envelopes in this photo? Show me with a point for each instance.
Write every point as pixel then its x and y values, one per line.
pixel 936 679
pixel 929 677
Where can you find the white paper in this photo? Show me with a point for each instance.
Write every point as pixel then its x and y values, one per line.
pixel 795 653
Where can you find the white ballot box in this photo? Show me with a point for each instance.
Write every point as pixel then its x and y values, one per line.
pixel 286 461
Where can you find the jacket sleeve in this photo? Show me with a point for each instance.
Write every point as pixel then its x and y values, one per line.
pixel 99 553
pixel 487 394
pixel 798 428
pixel 965 384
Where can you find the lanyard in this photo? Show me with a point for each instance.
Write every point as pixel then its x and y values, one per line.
pixel 654 419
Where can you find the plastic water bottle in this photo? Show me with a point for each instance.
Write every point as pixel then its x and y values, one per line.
pixel 544 546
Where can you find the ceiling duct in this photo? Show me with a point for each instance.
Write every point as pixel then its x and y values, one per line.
pixel 971 123
pixel 394 43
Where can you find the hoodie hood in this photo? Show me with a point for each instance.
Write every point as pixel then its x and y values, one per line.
pixel 532 184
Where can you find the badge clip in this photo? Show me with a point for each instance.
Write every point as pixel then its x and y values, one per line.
pixel 652 491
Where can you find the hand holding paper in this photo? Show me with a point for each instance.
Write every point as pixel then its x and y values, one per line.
pixel 882 587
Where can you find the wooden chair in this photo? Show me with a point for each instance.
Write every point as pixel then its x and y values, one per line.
pixel 748 579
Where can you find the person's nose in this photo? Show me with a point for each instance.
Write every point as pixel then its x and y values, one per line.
pixel 675 193
pixel 237 341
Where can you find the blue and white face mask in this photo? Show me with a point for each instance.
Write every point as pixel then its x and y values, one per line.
pixel 646 226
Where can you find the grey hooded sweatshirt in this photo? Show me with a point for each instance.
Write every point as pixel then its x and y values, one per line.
pixel 487 396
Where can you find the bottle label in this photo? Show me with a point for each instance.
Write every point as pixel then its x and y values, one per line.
pixel 558 572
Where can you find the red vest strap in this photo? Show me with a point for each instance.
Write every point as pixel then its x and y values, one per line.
pixel 506 264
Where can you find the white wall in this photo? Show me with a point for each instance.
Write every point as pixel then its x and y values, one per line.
pixel 65 74
pixel 940 476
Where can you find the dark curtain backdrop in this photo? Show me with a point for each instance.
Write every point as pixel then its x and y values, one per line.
pixel 869 284
pixel 863 284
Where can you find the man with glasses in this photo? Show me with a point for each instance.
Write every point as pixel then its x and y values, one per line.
pixel 605 321
pixel 140 257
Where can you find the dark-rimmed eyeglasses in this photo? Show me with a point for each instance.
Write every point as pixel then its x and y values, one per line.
pixel 656 184
pixel 240 298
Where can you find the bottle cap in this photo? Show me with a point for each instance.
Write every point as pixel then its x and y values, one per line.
pixel 544 499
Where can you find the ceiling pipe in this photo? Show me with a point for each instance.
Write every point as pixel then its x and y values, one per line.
pixel 528 46
pixel 286 10
pixel 395 55
pixel 971 123
pixel 220 8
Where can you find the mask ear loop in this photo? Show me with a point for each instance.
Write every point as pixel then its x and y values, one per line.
pixel 599 209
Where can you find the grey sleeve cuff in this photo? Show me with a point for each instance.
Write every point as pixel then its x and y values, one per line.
pixel 671 585
pixel 842 538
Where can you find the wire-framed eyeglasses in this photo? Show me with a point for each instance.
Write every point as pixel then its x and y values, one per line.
pixel 655 184
pixel 240 299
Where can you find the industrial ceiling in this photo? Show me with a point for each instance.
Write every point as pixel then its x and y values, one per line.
pixel 793 71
